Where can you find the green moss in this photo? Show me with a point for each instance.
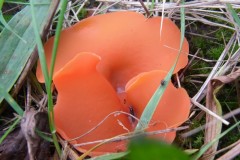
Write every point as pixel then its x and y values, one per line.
pixel 227 97
pixel 231 137
pixel 200 67
pixel 210 49
pixel 199 42
pixel 214 53
pixel 7 17
pixel 197 140
pixel 82 14
pixel 223 34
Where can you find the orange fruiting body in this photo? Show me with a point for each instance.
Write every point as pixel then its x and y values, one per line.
pixel 113 63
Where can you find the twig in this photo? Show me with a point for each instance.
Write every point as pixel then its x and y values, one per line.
pixel 231 154
pixel 198 96
pixel 196 130
pixel 115 2
pixel 209 112
pixel 189 63
pixel 95 11
pixel 145 8
pixel 95 127
pixel 121 138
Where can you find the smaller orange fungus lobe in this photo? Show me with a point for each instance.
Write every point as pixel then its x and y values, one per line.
pixel 113 63
pixel 139 91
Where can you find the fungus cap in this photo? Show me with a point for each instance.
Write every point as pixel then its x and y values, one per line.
pixel 107 63
pixel 127 42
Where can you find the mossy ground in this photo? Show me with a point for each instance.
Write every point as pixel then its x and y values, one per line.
pixel 196 74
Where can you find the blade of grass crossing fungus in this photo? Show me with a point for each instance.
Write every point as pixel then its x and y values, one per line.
pixel 53 59
pixel 234 14
pixel 57 36
pixel 48 81
pixel 153 102
pixel 54 55
pixel 10 129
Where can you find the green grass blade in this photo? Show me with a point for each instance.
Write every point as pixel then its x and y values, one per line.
pixel 53 59
pixel 39 43
pixel 153 102
pixel 1 4
pixel 152 105
pixel 48 81
pixel 11 101
pixel 152 5
pixel 57 36
pixel 24 3
pixel 5 24
pixel 9 130
pixel 205 147
pixel 43 135
pixel 152 149
pixel 234 14
pixel 14 52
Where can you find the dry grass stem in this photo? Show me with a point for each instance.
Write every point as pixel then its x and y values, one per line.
pixel 202 107
pixel 235 151
pixel 101 122
pixel 201 128
pixel 130 136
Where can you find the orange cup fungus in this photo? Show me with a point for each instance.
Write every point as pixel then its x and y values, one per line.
pixel 113 63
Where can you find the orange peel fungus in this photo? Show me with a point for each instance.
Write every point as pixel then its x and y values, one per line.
pixel 110 64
